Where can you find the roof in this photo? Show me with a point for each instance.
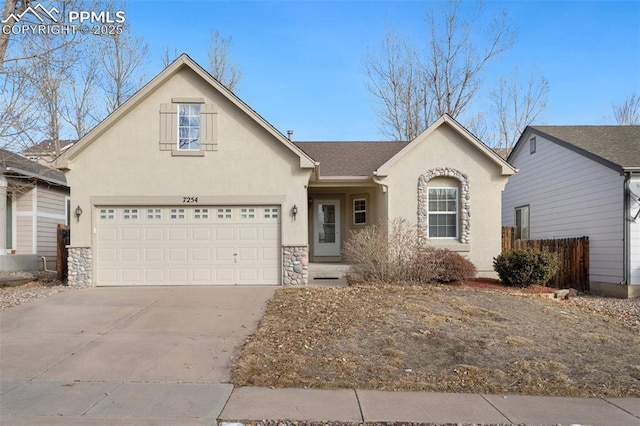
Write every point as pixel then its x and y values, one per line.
pixel 47 146
pixel 12 163
pixel 617 147
pixel 183 61
pixel 350 158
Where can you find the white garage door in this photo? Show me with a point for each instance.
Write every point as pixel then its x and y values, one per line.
pixel 188 245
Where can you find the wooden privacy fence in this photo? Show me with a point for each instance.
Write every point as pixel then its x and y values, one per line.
pixel 64 239
pixel 573 256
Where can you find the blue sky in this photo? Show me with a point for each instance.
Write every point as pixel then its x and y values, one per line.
pixel 302 61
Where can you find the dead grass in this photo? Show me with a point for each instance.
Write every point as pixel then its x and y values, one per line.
pixel 438 338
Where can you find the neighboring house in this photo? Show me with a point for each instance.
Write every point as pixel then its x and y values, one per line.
pixel 34 199
pixel 581 180
pixel 186 184
pixel 47 151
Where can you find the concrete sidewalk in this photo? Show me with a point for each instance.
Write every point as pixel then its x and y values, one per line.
pixel 162 356
pixel 42 402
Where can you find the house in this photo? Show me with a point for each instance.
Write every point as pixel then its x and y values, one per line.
pixel 186 184
pixel 34 199
pixel 45 152
pixel 581 180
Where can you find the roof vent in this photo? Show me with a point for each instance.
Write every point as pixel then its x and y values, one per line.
pixel 290 134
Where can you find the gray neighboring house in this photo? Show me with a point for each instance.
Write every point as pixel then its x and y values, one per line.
pixel 34 199
pixel 46 151
pixel 581 180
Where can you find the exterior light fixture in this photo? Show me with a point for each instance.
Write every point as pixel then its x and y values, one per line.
pixel 78 213
pixel 294 211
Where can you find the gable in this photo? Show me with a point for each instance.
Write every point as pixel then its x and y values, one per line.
pixel 472 147
pixel 183 72
pixel 615 147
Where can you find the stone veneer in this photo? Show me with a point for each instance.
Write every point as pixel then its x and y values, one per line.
pixel 295 265
pixel 79 262
pixel 465 199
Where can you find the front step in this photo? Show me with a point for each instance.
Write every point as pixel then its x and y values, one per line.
pixel 328 274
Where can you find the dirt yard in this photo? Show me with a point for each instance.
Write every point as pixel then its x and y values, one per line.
pixel 441 339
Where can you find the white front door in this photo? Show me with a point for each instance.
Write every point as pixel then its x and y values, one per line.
pixel 326 228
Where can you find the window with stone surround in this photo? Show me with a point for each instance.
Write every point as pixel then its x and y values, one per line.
pixel 443 212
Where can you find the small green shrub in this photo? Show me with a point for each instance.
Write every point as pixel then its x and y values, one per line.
pixel 523 268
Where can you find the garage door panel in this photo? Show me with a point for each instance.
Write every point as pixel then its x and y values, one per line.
pixel 188 245
pixel 131 234
pixel 153 255
pixel 154 234
pixel 131 255
pixel 108 254
pixel 248 255
pixel 201 234
pixel 178 234
pixel 201 254
pixel 178 254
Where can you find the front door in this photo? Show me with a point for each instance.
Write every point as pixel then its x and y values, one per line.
pixel 326 228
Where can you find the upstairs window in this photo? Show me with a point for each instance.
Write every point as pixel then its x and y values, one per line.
pixel 189 127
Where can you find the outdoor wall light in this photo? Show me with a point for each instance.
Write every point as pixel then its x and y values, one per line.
pixel 294 211
pixel 78 213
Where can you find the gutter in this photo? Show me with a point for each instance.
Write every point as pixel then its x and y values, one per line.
pixel 377 180
pixel 626 231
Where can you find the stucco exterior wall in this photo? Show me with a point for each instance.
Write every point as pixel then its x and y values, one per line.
pixel 445 148
pixel 126 162
pixel 570 195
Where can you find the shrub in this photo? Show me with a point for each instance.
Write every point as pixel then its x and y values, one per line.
pixel 522 268
pixel 397 256
pixel 443 266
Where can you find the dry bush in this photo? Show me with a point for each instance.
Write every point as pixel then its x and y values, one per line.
pixel 397 256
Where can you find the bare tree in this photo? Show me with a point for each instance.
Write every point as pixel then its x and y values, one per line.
pixel 123 57
pixel 220 66
pixel 515 106
pixel 169 56
pixel 398 81
pixel 628 112
pixel 445 78
pixel 80 106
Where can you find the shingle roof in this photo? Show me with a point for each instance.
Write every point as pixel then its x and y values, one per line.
pixel 10 162
pixel 619 145
pixel 47 146
pixel 350 158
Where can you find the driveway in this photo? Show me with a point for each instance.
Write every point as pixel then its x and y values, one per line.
pixel 99 340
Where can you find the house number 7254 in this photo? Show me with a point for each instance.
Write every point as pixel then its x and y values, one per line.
pixel 189 200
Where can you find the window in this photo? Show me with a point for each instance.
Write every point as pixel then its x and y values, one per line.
pixel 201 214
pixel 107 214
pixel 522 222
pixel 130 214
pixel 443 212
pixel 271 213
pixel 177 214
pixel 154 214
pixel 247 213
pixel 359 211
pixel 224 214
pixel 189 127
pixel 532 145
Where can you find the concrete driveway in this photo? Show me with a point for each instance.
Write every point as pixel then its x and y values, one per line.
pixel 55 353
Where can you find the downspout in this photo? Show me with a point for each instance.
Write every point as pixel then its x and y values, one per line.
pixel 385 189
pixel 626 223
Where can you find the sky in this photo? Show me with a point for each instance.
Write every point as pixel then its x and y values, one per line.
pixel 303 61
